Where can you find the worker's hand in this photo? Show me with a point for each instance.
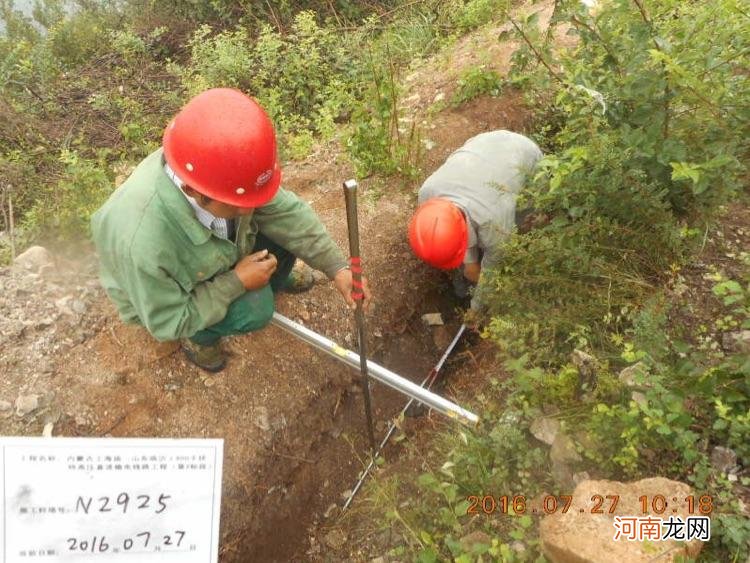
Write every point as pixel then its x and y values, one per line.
pixel 472 271
pixel 343 282
pixel 256 269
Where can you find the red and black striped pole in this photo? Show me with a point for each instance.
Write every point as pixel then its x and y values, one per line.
pixel 358 294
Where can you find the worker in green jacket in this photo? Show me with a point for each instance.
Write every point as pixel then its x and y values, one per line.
pixel 196 241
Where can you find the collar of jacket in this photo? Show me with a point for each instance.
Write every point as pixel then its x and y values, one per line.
pixel 177 206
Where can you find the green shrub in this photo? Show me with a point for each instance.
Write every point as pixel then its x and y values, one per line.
pixel 382 141
pixel 66 207
pixel 475 13
pixel 303 79
pixel 76 39
pixel 635 167
pixel 475 82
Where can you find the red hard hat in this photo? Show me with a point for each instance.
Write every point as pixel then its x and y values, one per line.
pixel 438 233
pixel 223 145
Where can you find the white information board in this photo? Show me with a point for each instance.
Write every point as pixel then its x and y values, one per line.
pixel 110 500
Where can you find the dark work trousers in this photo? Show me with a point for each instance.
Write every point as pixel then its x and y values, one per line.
pixel 253 310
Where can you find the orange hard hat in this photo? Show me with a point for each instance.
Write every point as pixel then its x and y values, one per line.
pixel 223 145
pixel 438 233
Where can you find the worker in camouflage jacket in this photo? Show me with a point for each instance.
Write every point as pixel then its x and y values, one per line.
pixel 467 207
pixel 196 241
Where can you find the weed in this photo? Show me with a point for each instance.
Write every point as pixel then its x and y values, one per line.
pixel 475 82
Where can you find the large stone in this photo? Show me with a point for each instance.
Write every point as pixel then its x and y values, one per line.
pixel 34 259
pixel 545 429
pixel 634 376
pixel 564 450
pixel 580 536
pixel 737 342
pixel 723 459
pixel 432 319
pixel 26 404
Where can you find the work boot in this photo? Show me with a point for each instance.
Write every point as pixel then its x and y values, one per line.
pixel 299 280
pixel 210 358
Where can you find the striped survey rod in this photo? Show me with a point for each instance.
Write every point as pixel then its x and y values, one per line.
pixel 377 372
pixel 358 294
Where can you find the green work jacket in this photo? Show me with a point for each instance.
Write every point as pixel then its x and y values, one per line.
pixel 165 270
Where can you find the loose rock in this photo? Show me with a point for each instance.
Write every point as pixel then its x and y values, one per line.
pixel 261 419
pixel 545 429
pixel 78 306
pixel 587 368
pixel 633 376
pixel 518 546
pixel 5 406
pixel 723 459
pixel 564 450
pixel 563 454
pixel 34 259
pixel 63 305
pixel 432 319
pixel 335 539
pixel 441 337
pixel 319 276
pixel 26 404
pixel 330 510
pixel 737 342
pixel 639 398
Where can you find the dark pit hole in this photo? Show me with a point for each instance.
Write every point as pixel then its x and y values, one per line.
pixel 294 512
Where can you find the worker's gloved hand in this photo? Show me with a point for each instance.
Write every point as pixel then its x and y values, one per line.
pixel 256 269
pixel 343 282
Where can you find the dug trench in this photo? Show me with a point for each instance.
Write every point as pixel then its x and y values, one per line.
pixel 290 416
pixel 318 458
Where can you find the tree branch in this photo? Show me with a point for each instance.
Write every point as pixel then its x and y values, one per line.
pixel 536 52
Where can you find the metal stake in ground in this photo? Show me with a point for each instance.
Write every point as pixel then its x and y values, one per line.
pixel 427 383
pixel 350 196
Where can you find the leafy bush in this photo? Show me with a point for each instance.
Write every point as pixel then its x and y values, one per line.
pixel 475 13
pixel 66 207
pixel 643 152
pixel 303 79
pixel 383 141
pixel 475 82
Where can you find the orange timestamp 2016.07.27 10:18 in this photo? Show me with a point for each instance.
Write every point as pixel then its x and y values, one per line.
pixel 598 504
